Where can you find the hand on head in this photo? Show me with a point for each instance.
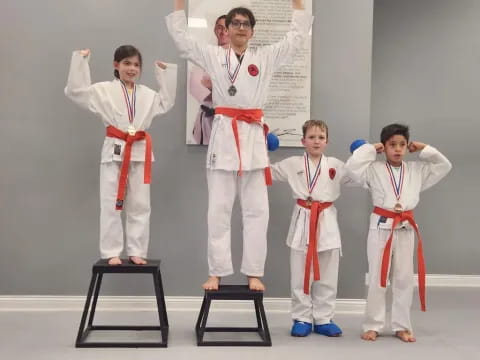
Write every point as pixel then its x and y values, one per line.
pixel 379 148
pixel 415 146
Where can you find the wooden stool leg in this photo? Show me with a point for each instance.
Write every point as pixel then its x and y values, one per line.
pixel 81 329
pixel 95 298
pixel 161 306
pixel 203 324
pixel 257 314
pixel 268 340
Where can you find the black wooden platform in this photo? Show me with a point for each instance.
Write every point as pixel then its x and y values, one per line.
pixel 101 267
pixel 233 292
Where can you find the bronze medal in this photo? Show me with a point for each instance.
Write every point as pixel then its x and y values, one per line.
pixel 398 208
pixel 131 130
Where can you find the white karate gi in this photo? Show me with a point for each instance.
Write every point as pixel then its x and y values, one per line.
pixel 222 157
pixel 419 175
pixel 106 99
pixel 319 306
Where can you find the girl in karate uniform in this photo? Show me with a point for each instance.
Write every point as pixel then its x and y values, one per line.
pixel 126 110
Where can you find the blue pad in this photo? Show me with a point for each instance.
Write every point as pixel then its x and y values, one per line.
pixel 272 142
pixel 356 144
pixel 330 329
pixel 301 328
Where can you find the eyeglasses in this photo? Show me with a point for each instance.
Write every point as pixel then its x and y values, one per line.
pixel 237 24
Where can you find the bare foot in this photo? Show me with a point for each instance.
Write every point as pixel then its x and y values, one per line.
pixel 405 336
pixel 137 260
pixel 114 261
pixel 369 335
pixel 211 283
pixel 254 283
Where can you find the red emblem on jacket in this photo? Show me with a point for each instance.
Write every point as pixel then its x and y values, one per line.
pixel 253 70
pixel 332 172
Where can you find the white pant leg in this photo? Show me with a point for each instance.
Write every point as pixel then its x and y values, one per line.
pixel 222 188
pixel 302 308
pixel 111 230
pixel 137 211
pixel 375 311
pixel 324 291
pixel 255 212
pixel 402 279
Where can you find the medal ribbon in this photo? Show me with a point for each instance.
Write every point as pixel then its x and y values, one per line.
pixel 232 76
pixel 311 182
pixel 397 187
pixel 130 103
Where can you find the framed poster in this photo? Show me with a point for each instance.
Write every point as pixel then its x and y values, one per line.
pixel 288 103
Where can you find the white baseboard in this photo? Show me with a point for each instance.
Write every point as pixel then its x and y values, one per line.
pixel 440 280
pixel 148 303
pixel 192 303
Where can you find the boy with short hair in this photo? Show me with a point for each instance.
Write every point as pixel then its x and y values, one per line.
pixel 237 160
pixel 395 186
pixel 314 236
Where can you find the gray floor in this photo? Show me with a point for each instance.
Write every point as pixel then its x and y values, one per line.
pixel 448 330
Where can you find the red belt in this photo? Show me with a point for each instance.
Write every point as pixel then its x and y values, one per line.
pixel 250 116
pixel 398 218
pixel 316 207
pixel 113 132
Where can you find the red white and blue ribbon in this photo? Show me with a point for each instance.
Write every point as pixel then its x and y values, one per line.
pixel 233 76
pixel 311 181
pixel 130 102
pixel 397 185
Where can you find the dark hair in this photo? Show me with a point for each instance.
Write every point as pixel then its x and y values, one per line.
pixel 314 123
pixel 392 130
pixel 240 11
pixel 123 52
pixel 220 18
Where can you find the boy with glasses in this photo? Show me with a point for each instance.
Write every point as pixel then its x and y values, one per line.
pixel 237 158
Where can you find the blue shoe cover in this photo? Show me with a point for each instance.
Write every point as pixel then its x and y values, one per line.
pixel 301 328
pixel 330 329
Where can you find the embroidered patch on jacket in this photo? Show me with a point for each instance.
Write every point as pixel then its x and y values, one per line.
pixel 253 70
pixel 332 172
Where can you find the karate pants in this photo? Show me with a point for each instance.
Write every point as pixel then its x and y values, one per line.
pixel 223 187
pixel 401 279
pixel 319 305
pixel 136 207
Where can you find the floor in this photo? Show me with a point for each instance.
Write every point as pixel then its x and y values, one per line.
pixel 448 330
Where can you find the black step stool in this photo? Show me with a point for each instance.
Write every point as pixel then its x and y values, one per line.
pixel 101 267
pixel 233 292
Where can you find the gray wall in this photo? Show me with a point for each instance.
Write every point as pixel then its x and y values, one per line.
pixel 424 73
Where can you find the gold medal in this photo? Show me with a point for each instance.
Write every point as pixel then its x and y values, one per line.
pixel 398 208
pixel 131 130
pixel 309 201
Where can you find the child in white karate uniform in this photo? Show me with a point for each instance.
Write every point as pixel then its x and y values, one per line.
pixel 237 160
pixel 126 109
pixel 314 236
pixel 395 186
